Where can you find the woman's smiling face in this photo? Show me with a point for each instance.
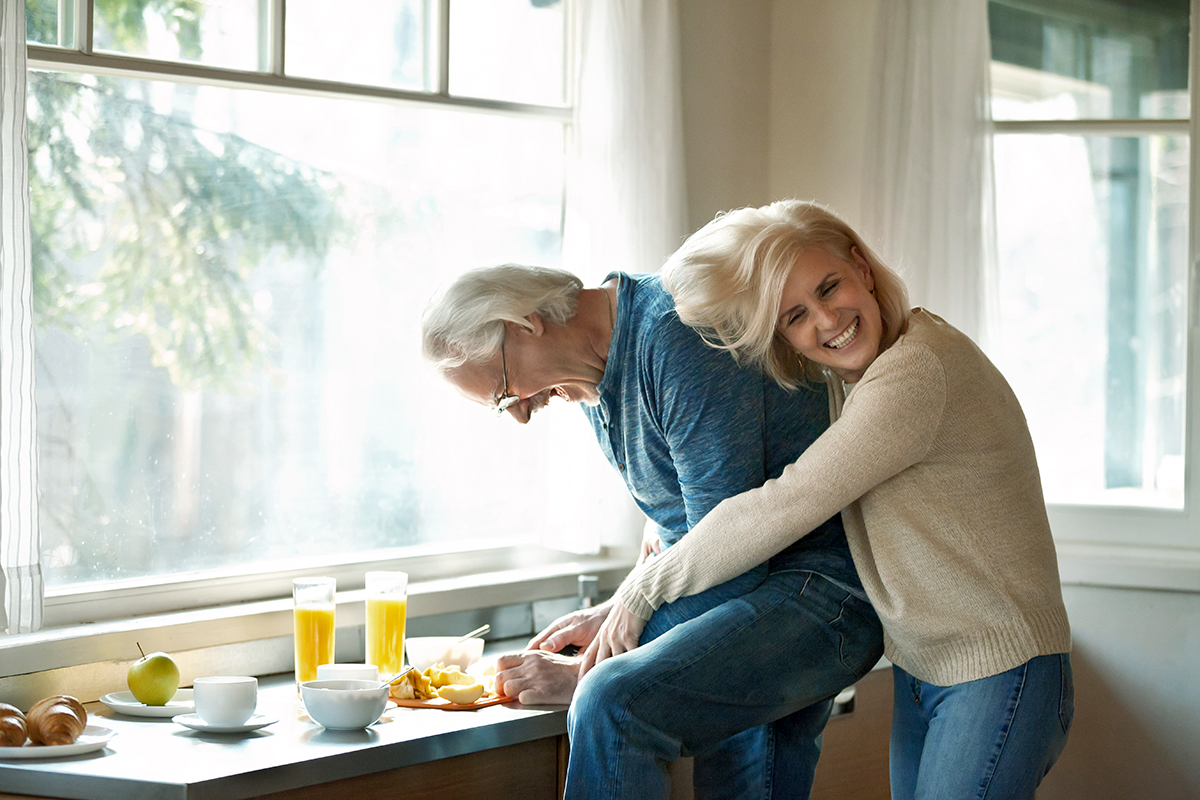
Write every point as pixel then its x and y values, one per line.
pixel 828 314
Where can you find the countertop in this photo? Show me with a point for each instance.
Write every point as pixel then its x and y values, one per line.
pixel 157 758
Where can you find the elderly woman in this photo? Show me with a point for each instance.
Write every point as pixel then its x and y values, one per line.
pixel 931 463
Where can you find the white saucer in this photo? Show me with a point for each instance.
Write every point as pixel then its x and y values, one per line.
pixel 125 703
pixel 93 737
pixel 194 722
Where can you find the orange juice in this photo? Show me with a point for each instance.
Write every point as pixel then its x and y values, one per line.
pixel 314 640
pixel 385 633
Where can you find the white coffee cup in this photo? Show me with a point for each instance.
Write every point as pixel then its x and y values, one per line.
pixel 225 700
pixel 347 672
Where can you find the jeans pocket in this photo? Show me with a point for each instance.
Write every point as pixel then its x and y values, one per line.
pixel 1066 698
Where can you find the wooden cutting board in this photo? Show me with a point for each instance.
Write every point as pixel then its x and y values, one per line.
pixel 446 705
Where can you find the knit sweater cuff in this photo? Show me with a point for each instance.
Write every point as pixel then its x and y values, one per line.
pixel 634 602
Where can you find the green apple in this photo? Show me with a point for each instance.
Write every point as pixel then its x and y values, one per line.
pixel 153 678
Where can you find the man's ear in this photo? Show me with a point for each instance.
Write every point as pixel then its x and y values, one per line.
pixel 535 325
pixel 532 326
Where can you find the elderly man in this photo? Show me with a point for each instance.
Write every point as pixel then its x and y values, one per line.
pixel 741 676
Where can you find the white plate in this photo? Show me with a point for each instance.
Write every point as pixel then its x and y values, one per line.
pixel 93 737
pixel 125 703
pixel 194 722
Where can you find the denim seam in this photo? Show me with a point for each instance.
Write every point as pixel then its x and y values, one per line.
pixel 1062 693
pixel 842 640
pixel 985 787
pixel 770 765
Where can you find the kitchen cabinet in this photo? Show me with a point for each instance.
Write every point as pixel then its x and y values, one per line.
pixel 854 753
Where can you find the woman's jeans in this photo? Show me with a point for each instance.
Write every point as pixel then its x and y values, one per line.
pixel 996 737
pixel 741 676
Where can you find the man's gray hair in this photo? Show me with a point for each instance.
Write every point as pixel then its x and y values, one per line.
pixel 464 324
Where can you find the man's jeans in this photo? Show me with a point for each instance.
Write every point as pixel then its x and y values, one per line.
pixel 993 737
pixel 725 663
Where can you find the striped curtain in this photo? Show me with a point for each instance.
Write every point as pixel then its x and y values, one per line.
pixel 20 572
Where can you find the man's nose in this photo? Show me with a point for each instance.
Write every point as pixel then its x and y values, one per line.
pixel 520 411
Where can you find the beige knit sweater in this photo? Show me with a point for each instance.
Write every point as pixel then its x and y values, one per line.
pixel 930 462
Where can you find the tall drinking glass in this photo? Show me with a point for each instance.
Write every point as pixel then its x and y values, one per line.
pixel 313 621
pixel 387 612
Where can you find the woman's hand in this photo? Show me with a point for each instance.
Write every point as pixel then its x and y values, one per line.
pixel 578 628
pixel 620 633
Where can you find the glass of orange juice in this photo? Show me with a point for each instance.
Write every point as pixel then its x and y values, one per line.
pixel 387 611
pixel 312 615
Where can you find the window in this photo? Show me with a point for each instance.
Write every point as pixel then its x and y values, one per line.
pixel 236 226
pixel 1092 150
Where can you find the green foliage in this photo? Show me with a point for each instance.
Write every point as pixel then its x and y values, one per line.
pixel 145 224
pixel 179 216
pixel 124 20
pixel 41 21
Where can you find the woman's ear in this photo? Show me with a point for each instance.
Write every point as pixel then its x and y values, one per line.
pixel 863 267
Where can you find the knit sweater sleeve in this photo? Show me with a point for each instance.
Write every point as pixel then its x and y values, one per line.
pixel 887 425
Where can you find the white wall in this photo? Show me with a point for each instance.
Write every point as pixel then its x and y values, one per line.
pixel 725 62
pixel 1137 653
pixel 820 68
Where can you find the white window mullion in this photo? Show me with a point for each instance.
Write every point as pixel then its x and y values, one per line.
pixel 85 11
pixel 1192 423
pixel 442 85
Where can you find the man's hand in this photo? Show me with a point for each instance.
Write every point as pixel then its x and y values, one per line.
pixel 536 677
pixel 620 633
pixel 577 628
pixel 651 544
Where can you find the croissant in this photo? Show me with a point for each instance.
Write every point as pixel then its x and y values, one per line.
pixel 56 720
pixel 12 726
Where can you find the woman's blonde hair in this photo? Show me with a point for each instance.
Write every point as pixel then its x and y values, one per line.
pixel 728 277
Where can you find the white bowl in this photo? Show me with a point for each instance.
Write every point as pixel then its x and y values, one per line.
pixel 341 705
pixel 425 651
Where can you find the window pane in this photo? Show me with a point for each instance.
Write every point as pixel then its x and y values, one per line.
pixel 377 42
pixel 218 33
pixel 1092 303
pixel 507 50
pixel 1099 59
pixel 228 304
pixel 48 23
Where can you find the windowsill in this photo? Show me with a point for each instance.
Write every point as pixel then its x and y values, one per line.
pixel 255 638
pixel 1129 566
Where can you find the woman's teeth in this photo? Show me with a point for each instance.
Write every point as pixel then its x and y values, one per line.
pixel 845 338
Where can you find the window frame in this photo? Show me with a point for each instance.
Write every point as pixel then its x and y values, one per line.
pixel 1131 546
pixel 491 573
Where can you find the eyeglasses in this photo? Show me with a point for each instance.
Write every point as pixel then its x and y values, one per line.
pixel 505 401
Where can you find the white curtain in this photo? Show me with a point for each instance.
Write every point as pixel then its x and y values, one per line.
pixel 927 201
pixel 625 210
pixel 20 574
pixel 626 207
